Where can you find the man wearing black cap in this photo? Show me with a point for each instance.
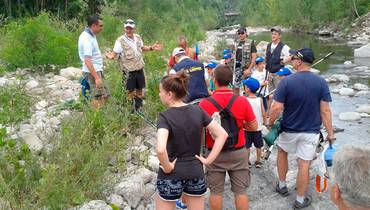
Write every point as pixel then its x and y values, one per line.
pixel 129 47
pixel 245 57
pixel 276 55
pixel 304 99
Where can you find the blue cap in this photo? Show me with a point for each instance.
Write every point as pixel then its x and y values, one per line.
pixel 252 84
pixel 284 72
pixel 211 65
pixel 226 51
pixel 227 56
pixel 305 54
pixel 259 60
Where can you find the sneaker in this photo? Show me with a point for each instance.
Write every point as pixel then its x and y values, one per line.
pixel 307 201
pixel 180 204
pixel 282 191
pixel 258 164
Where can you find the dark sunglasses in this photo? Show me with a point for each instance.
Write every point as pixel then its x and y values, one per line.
pixel 129 22
pixel 241 33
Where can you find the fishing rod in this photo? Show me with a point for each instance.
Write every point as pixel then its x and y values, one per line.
pixel 146 119
pixel 322 59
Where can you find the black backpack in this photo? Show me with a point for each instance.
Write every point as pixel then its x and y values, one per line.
pixel 228 122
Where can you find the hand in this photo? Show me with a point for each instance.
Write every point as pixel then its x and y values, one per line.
pixel 110 55
pixel 157 47
pixel 202 159
pixel 247 73
pixel 168 169
pixel 330 138
pixel 98 82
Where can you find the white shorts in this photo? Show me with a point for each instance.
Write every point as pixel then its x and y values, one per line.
pixel 302 144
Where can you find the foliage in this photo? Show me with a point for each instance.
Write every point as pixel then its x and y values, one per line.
pixel 35 42
pixel 15 105
pixel 300 14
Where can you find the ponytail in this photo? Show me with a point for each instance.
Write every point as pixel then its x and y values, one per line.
pixel 176 83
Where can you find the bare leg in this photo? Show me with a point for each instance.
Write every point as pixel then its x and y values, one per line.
pixel 303 176
pixel 215 202
pixel 194 202
pixel 282 164
pixel 241 202
pixel 259 154
pixel 164 205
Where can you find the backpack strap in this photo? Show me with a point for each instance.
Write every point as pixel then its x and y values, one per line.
pixel 214 102
pixel 230 104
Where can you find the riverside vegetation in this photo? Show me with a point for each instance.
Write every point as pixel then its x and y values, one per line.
pixel 73 171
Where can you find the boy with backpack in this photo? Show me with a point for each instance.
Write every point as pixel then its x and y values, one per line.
pixel 235 113
pixel 251 85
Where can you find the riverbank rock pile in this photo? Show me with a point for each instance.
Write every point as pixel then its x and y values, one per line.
pixel 49 92
pixel 360 29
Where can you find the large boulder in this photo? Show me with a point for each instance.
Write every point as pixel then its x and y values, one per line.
pixel 363 52
pixel 95 205
pixel 364 109
pixel 70 72
pixel 131 189
pixel 33 142
pixel 31 84
pixel 350 116
pixel 346 92
pixel 338 78
pixel 359 86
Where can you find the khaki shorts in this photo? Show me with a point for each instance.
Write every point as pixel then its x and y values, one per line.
pixel 235 163
pixel 97 93
pixel 302 144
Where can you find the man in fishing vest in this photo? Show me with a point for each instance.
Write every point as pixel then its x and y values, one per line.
pixel 277 54
pixel 129 47
pixel 197 87
pixel 245 58
pixel 304 99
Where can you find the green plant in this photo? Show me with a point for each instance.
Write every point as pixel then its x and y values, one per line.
pixel 15 105
pixel 38 42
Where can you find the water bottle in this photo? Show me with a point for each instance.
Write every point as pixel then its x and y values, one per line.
pixel 329 155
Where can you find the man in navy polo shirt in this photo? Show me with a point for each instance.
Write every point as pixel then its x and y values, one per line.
pixel 197 87
pixel 305 98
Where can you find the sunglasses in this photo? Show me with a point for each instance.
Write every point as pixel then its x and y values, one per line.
pixel 241 33
pixel 129 22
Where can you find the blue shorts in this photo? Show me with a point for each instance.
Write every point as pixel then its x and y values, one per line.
pixel 171 190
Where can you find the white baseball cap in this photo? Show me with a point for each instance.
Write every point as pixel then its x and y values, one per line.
pixel 178 51
pixel 129 23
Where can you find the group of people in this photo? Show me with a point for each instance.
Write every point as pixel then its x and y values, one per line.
pixel 206 110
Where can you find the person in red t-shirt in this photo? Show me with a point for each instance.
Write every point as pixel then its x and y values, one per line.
pixel 235 161
pixel 190 52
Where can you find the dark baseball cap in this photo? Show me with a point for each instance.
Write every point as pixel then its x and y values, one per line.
pixel 305 54
pixel 242 29
pixel 276 28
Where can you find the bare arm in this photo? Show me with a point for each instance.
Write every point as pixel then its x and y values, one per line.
pixel 111 55
pixel 326 118
pixel 248 71
pixel 251 126
pixel 165 164
pixel 276 109
pixel 219 135
pixel 263 113
pixel 156 47
pixel 92 71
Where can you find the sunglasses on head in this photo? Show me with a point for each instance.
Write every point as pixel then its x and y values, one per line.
pixel 129 22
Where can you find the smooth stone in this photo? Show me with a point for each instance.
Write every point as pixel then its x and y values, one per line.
pixel 153 162
pixel 3 82
pixel 116 200
pixel 346 92
pixel 364 109
pixel 359 86
pixel 131 189
pixel 95 205
pixel 365 115
pixel 70 72
pixel 350 116
pixel 347 62
pixel 363 52
pixel 31 84
pixel 41 104
pixel 338 78
pixel 33 141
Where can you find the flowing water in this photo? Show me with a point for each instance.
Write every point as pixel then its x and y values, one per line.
pixel 354 132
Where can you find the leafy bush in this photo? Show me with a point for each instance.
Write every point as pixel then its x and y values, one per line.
pixel 15 105
pixel 38 41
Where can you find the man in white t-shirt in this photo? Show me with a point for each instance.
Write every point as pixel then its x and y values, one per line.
pixel 129 49
pixel 92 61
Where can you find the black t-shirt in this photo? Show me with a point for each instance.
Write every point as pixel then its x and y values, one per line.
pixel 185 126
